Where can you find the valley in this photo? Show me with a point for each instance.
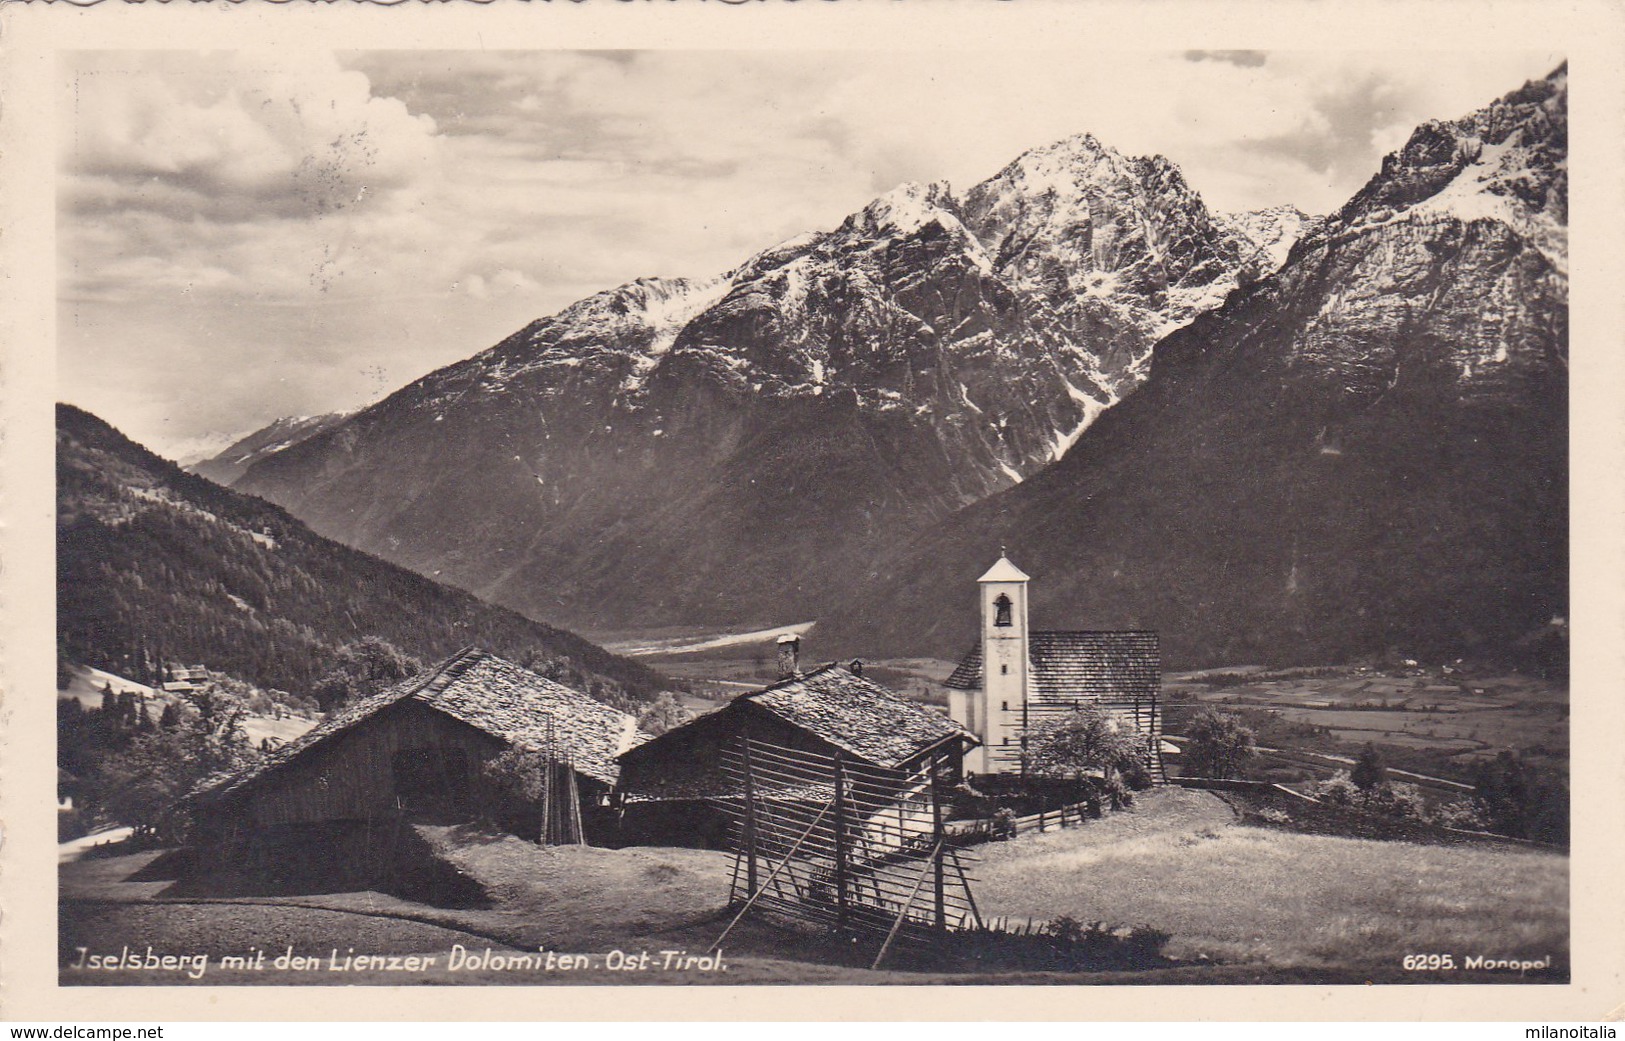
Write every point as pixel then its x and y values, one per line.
pixel 1285 483
pixel 1430 722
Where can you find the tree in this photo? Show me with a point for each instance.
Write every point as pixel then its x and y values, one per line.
pixel 1395 800
pixel 511 788
pixel 362 669
pixel 1370 772
pixel 143 784
pixel 1339 790
pixel 1219 745
pixel 1085 739
pixel 1512 797
pixel 662 714
pixel 126 709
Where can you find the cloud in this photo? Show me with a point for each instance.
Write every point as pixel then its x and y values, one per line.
pixel 235 137
pixel 243 235
pixel 1246 59
pixel 1341 128
pixel 506 282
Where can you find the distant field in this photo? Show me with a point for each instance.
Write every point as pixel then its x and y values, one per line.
pixel 86 685
pixel 680 641
pixel 1426 719
pixel 720 664
pixel 1452 718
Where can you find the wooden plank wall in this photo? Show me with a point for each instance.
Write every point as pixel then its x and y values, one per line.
pixel 352 776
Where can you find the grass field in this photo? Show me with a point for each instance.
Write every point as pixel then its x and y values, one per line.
pixel 1241 904
pixel 1253 895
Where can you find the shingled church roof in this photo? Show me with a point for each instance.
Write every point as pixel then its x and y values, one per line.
pixel 1070 665
pixel 505 700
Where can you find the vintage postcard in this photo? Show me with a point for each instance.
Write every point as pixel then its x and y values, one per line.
pixel 836 499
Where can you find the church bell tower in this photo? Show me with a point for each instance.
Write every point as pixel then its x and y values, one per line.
pixel 1005 665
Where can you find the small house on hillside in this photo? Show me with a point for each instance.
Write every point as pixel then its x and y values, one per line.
pixel 667 784
pixel 1014 680
pixel 417 747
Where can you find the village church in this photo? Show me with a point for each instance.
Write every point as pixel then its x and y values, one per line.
pixel 1014 679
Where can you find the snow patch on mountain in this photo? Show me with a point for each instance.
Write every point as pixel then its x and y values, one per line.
pixel 907 208
pixel 1063 440
pixel 1267 236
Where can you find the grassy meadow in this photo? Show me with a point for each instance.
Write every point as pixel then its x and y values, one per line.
pixel 1239 903
pixel 1232 893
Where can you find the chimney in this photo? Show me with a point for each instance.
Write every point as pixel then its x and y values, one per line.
pixel 856 668
pixel 789 655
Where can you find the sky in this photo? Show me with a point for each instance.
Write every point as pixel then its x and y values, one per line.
pixel 244 235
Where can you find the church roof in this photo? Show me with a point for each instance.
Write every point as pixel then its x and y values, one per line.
pixel 1067 665
pixel 1003 571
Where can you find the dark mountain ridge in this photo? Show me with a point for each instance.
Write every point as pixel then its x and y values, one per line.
pixel 153 559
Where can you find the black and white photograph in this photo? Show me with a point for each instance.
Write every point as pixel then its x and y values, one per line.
pixel 686 516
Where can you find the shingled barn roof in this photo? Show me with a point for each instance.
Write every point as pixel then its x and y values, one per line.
pixel 507 701
pixel 1070 665
pixel 830 703
pixel 856 715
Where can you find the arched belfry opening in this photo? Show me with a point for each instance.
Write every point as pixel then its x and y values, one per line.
pixel 1001 611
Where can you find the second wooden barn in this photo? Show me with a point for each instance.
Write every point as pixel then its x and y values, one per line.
pixel 669 784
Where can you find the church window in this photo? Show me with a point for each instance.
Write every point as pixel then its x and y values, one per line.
pixel 1004 705
pixel 1004 670
pixel 1001 611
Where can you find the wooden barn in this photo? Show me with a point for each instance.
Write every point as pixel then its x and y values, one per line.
pixel 1014 680
pixel 669 783
pixel 416 748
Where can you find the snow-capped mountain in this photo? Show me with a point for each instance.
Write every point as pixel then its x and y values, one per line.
pixel 733 448
pixel 1271 233
pixel 225 464
pixel 1365 452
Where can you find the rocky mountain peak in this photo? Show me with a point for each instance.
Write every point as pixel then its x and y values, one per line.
pixel 1366 448
pixel 1078 155
pixel 1507 162
pixel 906 209
pixel 1264 238
pixel 838 389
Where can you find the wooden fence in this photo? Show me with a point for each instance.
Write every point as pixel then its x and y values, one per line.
pixel 1068 816
pixel 839 844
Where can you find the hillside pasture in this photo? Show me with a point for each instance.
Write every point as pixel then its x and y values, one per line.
pixel 1239 894
pixel 85 686
pixel 1241 904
